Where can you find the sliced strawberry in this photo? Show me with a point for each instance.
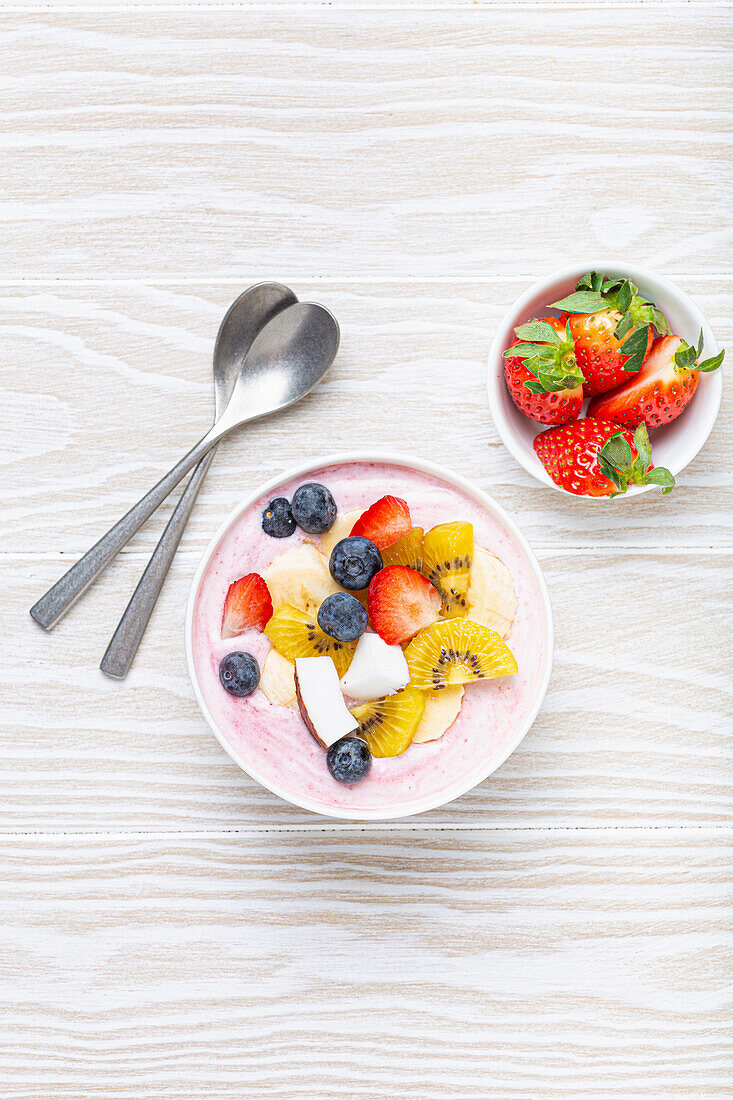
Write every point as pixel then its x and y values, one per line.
pixel 595 458
pixel 387 520
pixel 661 390
pixel 247 606
pixel 401 602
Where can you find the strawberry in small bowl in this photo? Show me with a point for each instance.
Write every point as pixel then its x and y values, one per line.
pixel 623 346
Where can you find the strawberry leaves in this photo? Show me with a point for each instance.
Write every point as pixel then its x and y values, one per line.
pixel 594 293
pixel 617 463
pixel 547 354
pixel 687 357
pixel 635 348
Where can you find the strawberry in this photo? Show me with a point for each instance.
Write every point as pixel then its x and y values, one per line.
pixel 541 371
pixel 595 458
pixel 247 606
pixel 387 520
pixel 661 390
pixel 612 329
pixel 401 602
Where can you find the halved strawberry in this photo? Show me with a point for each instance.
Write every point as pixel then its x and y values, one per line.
pixel 247 606
pixel 661 390
pixel 596 458
pixel 401 602
pixel 387 520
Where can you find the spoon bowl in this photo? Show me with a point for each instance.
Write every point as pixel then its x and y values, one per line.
pixel 286 360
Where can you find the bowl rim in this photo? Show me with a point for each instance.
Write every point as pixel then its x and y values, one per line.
pixel 645 278
pixel 392 458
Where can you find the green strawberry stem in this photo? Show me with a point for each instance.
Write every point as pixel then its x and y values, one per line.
pixel 619 466
pixel 595 292
pixel 548 355
pixel 686 358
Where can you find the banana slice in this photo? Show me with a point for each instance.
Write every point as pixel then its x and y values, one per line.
pixel 278 680
pixel 300 577
pixel 340 530
pixel 491 598
pixel 441 711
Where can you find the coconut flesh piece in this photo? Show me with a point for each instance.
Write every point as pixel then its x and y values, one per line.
pixel 376 670
pixel 320 701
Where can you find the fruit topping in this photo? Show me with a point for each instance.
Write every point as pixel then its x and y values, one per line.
pixel 340 530
pixel 406 551
pixel 342 617
pixel 387 520
pixel 377 670
pixel 239 673
pixel 612 326
pixel 278 680
pixel 401 602
pixel 541 372
pixel 447 558
pixel 661 390
pixel 300 577
pixel 349 760
pixel 491 599
pixel 247 606
pixel 277 519
pixel 354 561
pixel 457 651
pixel 295 633
pixel 388 725
pixel 596 458
pixel 314 509
pixel 441 710
pixel 320 701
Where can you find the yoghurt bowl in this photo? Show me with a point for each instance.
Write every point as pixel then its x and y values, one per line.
pixel 271 743
pixel 674 445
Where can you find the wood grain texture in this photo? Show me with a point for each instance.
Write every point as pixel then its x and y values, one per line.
pixel 139 143
pixel 169 930
pixel 636 726
pixel 125 374
pixel 368 965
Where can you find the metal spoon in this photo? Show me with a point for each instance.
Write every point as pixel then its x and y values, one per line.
pixel 244 319
pixel 286 360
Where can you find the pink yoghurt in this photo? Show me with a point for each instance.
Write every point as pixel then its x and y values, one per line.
pixel 273 744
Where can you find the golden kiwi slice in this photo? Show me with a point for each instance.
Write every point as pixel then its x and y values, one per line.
pixel 457 651
pixel 296 633
pixel 406 551
pixel 447 557
pixel 388 725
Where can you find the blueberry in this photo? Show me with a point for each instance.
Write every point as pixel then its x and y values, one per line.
pixel 314 508
pixel 239 673
pixel 277 519
pixel 354 561
pixel 349 760
pixel 342 617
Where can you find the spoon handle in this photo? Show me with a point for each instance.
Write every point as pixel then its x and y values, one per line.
pixel 126 639
pixel 56 602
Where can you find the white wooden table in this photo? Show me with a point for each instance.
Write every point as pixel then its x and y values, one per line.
pixel 170 930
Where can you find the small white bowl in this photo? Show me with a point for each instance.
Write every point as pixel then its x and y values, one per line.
pixel 464 782
pixel 676 444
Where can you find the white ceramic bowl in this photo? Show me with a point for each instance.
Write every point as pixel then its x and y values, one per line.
pixel 545 631
pixel 674 445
